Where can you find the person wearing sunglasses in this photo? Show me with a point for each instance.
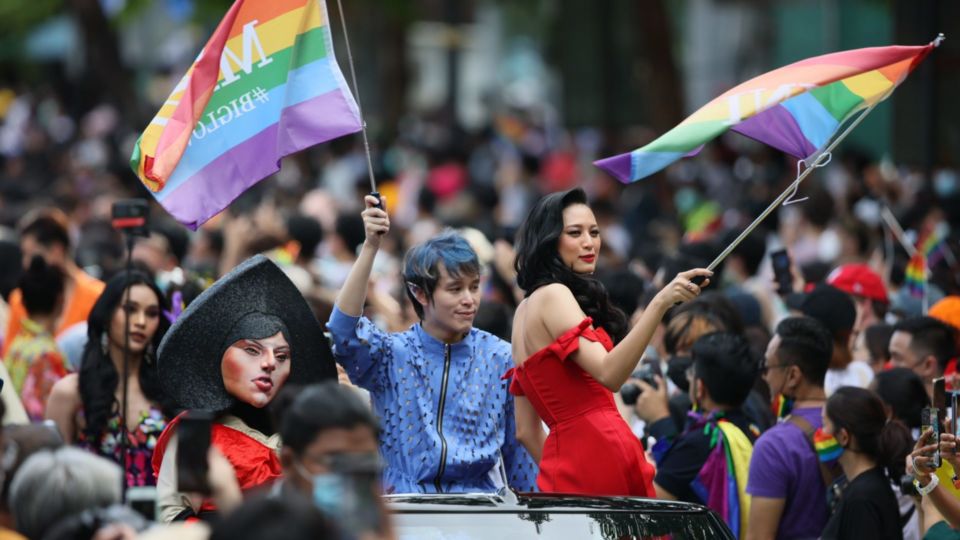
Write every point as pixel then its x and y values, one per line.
pixel 787 486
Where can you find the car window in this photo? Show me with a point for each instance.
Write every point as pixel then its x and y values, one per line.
pixel 559 526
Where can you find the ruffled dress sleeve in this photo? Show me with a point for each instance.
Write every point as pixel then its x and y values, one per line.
pixel 565 345
pixel 512 375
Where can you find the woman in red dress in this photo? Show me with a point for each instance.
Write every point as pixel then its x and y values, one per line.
pixel 567 366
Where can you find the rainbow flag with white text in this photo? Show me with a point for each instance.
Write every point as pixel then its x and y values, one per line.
pixel 264 86
pixel 796 108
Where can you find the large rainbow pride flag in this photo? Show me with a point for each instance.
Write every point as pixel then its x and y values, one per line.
pixel 796 109
pixel 264 86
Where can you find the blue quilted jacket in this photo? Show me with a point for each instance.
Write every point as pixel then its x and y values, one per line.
pixel 446 415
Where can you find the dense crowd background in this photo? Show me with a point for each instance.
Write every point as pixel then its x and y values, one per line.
pixel 482 183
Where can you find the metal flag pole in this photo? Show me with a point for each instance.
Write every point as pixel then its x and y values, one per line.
pixel 894 226
pixel 356 94
pixel 896 230
pixel 821 160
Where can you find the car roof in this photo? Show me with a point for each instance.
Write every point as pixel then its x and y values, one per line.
pixel 526 502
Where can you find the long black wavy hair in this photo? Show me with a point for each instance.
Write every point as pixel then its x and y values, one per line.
pixel 538 262
pixel 98 375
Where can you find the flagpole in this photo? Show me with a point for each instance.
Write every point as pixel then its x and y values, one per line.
pixel 888 254
pixel 356 94
pixel 897 231
pixel 792 188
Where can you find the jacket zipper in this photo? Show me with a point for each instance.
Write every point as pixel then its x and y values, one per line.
pixel 443 402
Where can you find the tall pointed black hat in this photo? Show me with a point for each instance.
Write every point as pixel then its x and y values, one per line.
pixel 255 300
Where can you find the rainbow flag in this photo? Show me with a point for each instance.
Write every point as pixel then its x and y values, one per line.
pixel 796 109
pixel 722 481
pixel 264 86
pixel 928 253
pixel 931 246
pixel 915 275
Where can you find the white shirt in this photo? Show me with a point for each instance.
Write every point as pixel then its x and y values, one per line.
pixel 857 373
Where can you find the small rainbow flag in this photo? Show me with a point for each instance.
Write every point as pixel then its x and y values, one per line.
pixel 928 254
pixel 827 447
pixel 796 109
pixel 265 85
pixel 931 246
pixel 915 277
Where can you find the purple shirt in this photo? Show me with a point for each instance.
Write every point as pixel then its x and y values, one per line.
pixel 784 466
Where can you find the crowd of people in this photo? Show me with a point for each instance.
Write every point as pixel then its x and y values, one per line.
pixel 467 333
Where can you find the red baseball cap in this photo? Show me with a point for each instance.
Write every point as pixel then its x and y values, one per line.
pixel 859 280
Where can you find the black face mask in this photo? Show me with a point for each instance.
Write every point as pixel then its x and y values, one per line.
pixel 677 366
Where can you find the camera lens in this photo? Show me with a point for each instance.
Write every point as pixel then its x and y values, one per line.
pixel 629 393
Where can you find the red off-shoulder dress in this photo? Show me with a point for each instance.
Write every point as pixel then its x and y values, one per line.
pixel 590 449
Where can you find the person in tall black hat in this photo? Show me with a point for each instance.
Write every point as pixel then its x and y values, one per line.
pixel 230 352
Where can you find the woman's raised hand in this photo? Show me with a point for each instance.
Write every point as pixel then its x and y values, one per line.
pixel 684 287
pixel 376 222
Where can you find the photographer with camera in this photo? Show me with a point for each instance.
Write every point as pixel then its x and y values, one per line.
pixel 708 313
pixel 720 378
pixel 688 322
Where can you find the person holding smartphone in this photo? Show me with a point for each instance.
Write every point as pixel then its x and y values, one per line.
pixel 927 479
pixel 229 353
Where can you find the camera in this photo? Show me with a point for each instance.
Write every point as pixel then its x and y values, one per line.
pixel 130 215
pixel 647 373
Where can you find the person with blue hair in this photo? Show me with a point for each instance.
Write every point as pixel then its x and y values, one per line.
pixel 447 417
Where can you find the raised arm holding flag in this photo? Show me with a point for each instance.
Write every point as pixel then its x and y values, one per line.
pixel 265 85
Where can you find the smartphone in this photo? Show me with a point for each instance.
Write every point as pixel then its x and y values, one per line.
pixel 939 394
pixel 954 425
pixel 781 271
pixel 193 443
pixel 930 419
